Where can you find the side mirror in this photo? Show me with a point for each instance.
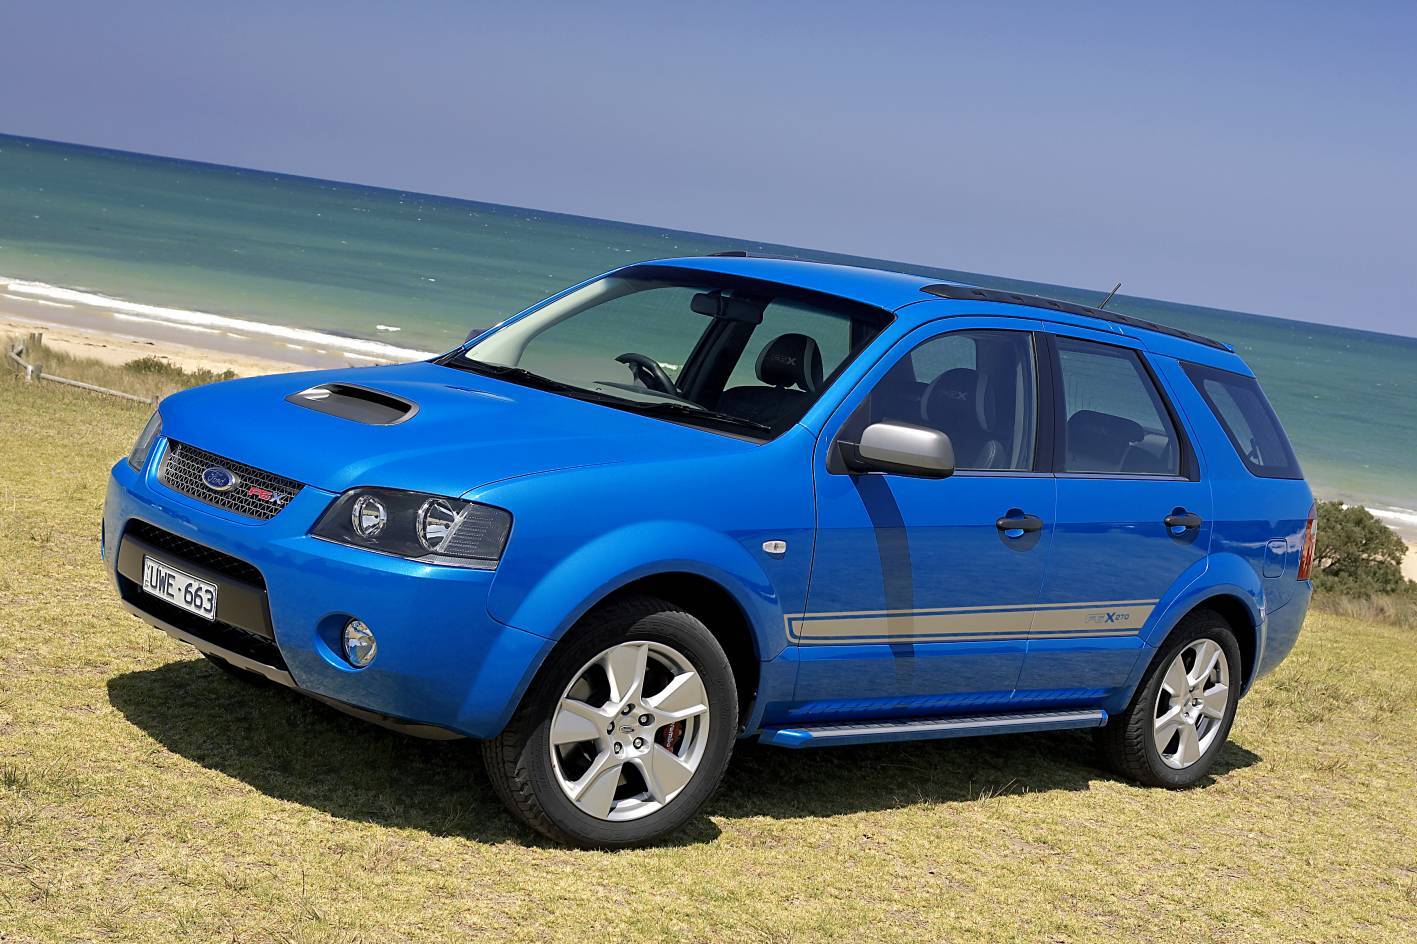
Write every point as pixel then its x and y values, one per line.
pixel 474 333
pixel 902 448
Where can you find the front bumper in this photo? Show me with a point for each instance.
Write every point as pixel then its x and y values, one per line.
pixel 443 661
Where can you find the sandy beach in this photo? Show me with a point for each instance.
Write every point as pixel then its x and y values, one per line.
pixel 117 336
pixel 119 348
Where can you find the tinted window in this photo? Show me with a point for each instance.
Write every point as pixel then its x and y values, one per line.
pixel 1115 419
pixel 977 387
pixel 1248 420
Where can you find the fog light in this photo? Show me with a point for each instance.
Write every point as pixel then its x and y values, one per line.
pixel 359 645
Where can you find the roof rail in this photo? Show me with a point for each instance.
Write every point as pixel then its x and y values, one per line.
pixel 969 292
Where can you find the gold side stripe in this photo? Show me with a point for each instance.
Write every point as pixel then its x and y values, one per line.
pixel 975 609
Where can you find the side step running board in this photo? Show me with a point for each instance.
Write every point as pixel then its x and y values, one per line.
pixel 920 729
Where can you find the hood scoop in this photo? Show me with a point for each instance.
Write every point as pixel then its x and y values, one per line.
pixel 352 402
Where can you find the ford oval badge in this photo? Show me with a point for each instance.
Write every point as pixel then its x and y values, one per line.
pixel 218 479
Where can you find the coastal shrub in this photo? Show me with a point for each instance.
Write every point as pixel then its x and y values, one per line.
pixel 1356 554
pixel 148 376
pixel 157 367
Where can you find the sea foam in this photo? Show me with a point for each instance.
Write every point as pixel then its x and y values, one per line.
pixel 1399 517
pixel 181 317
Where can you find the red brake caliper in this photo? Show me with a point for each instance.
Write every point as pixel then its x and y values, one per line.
pixel 670 735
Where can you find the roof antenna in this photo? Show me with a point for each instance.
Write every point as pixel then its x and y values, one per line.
pixel 1109 296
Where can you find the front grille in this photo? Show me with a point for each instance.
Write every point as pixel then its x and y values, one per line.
pixel 256 494
pixel 199 554
pixel 228 637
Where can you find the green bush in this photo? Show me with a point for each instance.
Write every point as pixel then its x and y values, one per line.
pixel 1357 555
pixel 157 367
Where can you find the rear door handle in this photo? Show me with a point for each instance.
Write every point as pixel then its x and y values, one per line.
pixel 1017 526
pixel 1181 521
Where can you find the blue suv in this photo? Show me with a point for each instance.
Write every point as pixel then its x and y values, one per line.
pixel 703 499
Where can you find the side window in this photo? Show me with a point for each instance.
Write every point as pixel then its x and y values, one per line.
pixel 1249 421
pixel 977 387
pixel 1114 417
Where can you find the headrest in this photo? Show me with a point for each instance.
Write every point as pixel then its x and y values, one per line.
pixel 791 360
pixel 1104 427
pixel 951 396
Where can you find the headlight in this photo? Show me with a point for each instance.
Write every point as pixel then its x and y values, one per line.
pixel 421 527
pixel 138 455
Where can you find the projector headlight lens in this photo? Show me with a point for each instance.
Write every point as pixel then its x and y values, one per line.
pixel 436 521
pixel 368 516
pixel 428 528
pixel 359 645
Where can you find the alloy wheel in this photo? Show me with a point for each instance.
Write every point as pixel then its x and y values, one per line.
pixel 1191 703
pixel 628 733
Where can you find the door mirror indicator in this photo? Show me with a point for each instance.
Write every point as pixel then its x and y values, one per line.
pixel 901 448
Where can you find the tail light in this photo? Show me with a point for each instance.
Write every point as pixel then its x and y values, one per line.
pixel 1311 535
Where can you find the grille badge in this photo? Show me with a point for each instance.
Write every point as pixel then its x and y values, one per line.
pixel 218 479
pixel 252 492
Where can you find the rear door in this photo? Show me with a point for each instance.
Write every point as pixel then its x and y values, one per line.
pixel 920 602
pixel 1132 517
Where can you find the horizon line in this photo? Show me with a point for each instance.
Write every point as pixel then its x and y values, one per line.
pixel 915 267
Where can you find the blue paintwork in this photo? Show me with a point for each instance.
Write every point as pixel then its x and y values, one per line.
pixel 601 498
pixel 893 543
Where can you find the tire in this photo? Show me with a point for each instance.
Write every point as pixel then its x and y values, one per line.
pixel 1147 742
pixel 245 675
pixel 536 779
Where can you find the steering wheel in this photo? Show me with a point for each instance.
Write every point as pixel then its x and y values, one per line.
pixel 647 371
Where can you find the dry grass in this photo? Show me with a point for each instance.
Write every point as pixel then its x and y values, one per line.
pixel 1392 609
pixel 146 797
pixel 145 377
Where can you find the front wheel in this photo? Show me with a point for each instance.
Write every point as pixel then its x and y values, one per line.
pixel 1172 732
pixel 624 733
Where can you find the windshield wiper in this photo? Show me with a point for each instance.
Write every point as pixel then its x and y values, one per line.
pixel 699 413
pixel 530 378
pixel 533 379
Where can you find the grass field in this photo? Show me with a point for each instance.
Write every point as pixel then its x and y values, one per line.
pixel 145 796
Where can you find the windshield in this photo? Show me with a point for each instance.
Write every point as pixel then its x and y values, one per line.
pixel 724 353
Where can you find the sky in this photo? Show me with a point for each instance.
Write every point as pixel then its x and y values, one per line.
pixel 1256 156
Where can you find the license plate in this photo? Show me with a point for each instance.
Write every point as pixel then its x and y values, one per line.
pixel 179 589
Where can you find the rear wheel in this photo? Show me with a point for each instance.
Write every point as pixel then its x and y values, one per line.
pixel 1180 717
pixel 625 732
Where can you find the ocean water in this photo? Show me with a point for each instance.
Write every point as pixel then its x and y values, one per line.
pixel 385 270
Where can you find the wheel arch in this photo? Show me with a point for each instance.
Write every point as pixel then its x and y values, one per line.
pixel 1225 584
pixel 718 609
pixel 701 570
pixel 1236 612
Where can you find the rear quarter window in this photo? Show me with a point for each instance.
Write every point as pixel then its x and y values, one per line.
pixel 1248 420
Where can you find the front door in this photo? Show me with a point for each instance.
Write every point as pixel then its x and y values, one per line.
pixel 922 593
pixel 1133 517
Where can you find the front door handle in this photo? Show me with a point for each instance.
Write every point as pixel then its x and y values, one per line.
pixel 1180 521
pixel 1016 526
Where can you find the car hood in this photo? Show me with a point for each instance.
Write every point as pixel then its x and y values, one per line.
pixel 467 430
